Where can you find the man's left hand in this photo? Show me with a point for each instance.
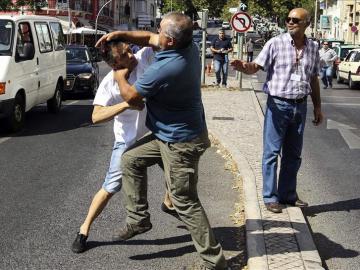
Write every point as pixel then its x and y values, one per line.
pixel 318 117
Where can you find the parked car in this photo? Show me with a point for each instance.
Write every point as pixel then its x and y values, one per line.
pixel 225 25
pixel 82 71
pixel 342 51
pixel 208 52
pixel 349 69
pixel 33 66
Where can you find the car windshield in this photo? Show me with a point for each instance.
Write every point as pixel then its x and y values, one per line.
pixel 6 36
pixel 77 55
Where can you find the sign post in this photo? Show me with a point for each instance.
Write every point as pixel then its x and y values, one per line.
pixel 240 22
pixel 204 20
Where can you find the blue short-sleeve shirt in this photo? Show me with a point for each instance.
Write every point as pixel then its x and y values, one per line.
pixel 171 86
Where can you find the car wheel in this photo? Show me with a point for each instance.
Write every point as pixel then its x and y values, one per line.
pixel 54 104
pixel 94 88
pixel 16 119
pixel 351 83
pixel 338 78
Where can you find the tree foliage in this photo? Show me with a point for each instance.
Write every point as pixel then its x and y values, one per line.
pixel 6 5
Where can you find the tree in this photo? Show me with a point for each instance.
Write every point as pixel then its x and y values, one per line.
pixel 5 5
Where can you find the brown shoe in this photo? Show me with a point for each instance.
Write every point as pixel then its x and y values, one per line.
pixel 274 207
pixel 129 231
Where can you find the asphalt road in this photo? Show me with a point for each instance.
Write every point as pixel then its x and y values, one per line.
pixel 49 173
pixel 329 175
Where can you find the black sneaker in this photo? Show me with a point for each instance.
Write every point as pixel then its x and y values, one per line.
pixel 129 231
pixel 169 211
pixel 79 244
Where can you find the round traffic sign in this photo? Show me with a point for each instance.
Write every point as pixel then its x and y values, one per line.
pixel 241 22
pixel 354 28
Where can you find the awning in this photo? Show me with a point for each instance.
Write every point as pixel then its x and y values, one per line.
pixel 64 20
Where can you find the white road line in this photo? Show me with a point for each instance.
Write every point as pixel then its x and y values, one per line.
pixel 71 103
pixel 338 97
pixel 340 104
pixel 4 139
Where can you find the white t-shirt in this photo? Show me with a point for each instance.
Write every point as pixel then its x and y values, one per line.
pixel 130 124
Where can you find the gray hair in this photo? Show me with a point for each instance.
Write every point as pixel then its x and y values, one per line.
pixel 179 27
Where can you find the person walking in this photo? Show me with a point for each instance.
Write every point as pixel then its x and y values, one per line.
pixel 291 62
pixel 249 50
pixel 221 47
pixel 178 135
pixel 327 58
pixel 129 125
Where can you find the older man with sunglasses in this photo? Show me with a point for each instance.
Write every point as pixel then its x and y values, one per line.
pixel 291 62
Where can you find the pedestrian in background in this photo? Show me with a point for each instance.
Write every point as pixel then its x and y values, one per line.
pixel 291 62
pixel 327 59
pixel 178 136
pixel 249 46
pixel 221 46
pixel 129 125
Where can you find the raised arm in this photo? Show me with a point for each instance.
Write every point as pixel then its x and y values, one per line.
pixel 141 38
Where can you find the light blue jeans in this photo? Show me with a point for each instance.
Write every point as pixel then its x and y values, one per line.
pixel 326 74
pixel 283 131
pixel 221 67
pixel 112 182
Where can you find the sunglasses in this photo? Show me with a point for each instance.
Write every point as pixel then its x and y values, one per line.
pixel 294 20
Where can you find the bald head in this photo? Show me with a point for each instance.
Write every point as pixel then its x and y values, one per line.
pixel 179 27
pixel 300 13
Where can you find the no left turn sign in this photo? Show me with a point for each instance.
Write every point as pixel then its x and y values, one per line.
pixel 241 22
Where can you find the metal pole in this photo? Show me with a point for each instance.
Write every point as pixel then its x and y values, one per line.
pixel 354 19
pixel 240 54
pixel 203 58
pixel 97 17
pixel 315 19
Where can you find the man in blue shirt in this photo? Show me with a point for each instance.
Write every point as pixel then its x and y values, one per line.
pixel 178 136
pixel 220 47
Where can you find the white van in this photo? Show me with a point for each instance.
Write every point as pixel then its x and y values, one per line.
pixel 32 66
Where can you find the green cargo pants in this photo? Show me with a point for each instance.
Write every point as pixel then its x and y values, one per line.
pixel 180 162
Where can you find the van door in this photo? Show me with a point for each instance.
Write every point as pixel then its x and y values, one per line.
pixel 46 61
pixel 23 68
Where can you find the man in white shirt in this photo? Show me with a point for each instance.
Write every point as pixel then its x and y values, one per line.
pixel 327 58
pixel 129 125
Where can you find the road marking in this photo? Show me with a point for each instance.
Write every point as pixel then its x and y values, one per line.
pixel 352 140
pixel 340 104
pixel 4 139
pixel 71 103
pixel 338 97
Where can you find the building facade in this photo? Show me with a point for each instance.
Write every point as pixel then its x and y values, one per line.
pixel 115 14
pixel 340 20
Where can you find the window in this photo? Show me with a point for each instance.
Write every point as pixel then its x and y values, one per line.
pixel 25 44
pixel 357 57
pixel 6 37
pixel 44 39
pixel 351 56
pixel 58 36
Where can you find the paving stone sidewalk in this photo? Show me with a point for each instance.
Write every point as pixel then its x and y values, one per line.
pixel 274 241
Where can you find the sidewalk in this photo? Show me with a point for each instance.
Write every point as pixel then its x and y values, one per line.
pixel 274 241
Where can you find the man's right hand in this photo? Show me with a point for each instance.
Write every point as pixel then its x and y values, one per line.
pixel 108 37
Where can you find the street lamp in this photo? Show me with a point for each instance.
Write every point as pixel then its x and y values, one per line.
pixel 97 17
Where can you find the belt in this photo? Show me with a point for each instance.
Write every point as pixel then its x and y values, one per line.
pixel 290 100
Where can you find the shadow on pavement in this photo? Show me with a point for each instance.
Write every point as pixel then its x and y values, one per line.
pixel 225 235
pixel 348 205
pixel 39 121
